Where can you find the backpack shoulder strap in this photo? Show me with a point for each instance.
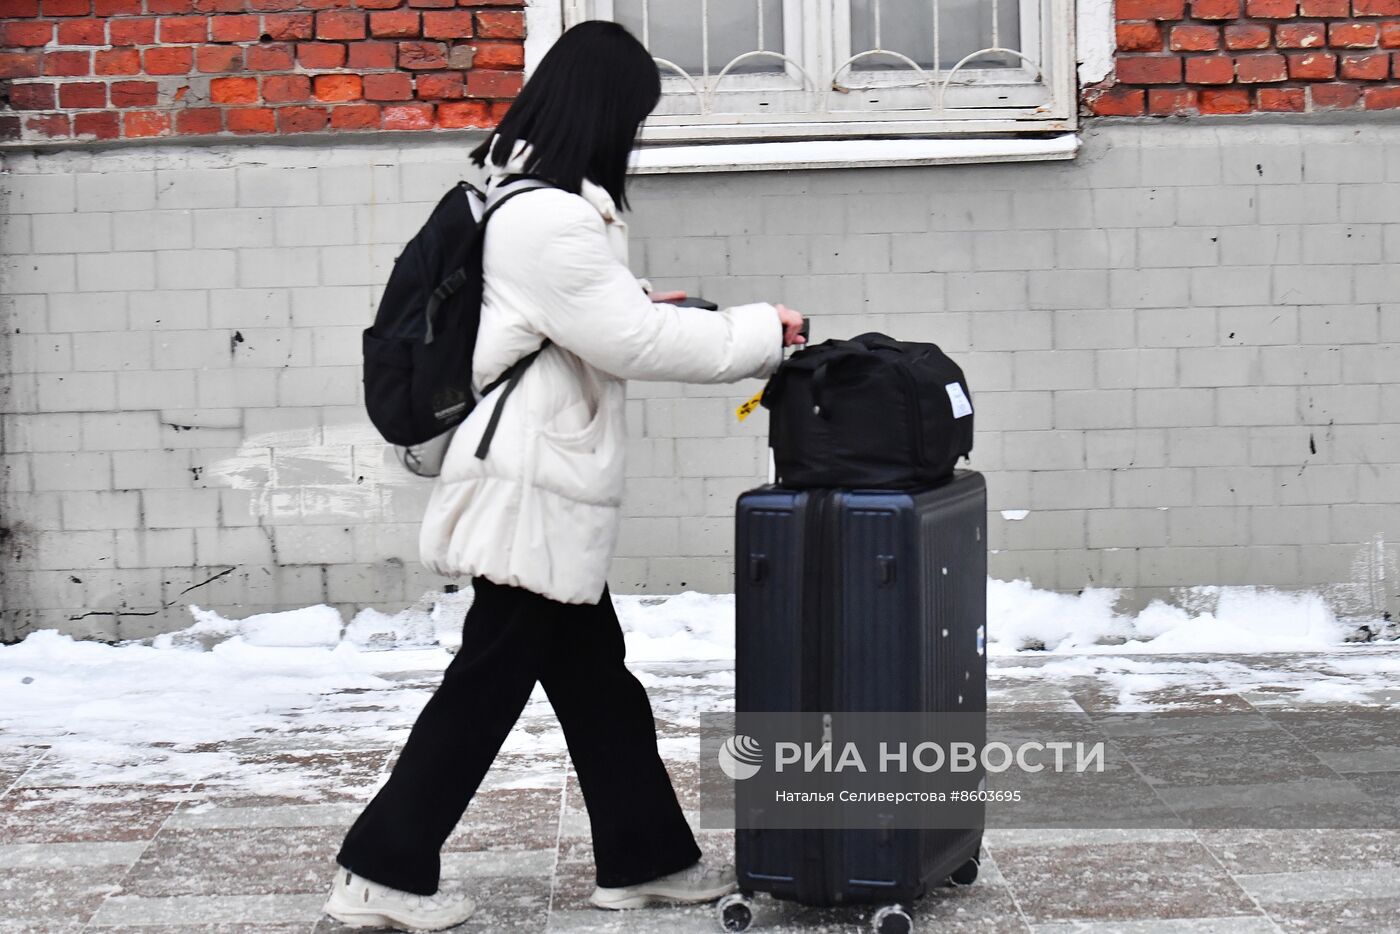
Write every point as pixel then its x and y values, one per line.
pixel 501 192
pixel 511 377
pixel 497 196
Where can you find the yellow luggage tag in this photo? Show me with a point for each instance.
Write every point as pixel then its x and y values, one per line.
pixel 745 410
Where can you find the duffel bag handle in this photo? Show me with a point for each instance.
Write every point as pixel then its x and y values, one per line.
pixel 860 345
pixel 808 357
pixel 873 340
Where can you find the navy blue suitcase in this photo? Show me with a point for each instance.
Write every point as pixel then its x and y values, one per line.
pixel 860 600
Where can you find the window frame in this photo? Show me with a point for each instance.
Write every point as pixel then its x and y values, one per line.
pixel 1050 106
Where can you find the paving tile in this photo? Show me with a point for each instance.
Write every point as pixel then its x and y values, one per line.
pixel 114 813
pixel 260 910
pixel 1372 916
pixel 508 819
pixel 1186 723
pixel 301 927
pixel 1380 786
pixel 1192 698
pixel 1320 885
pixel 69 855
pixel 296 776
pixel 997 838
pixel 1170 926
pixel 1281 806
pixel 574 874
pixel 1220 758
pixel 671 920
pixel 573 822
pixel 716 846
pixel 1117 797
pixel 42 927
pixel 1303 792
pixel 509 903
pixel 487 863
pixel 209 816
pixel 328 925
pixel 1272 851
pixel 56 895
pixel 1367 698
pixel 321 730
pixel 15 761
pixel 983 906
pixel 1379 759
pixel 513 771
pixel 1120 882
pixel 231 797
pixel 1030 696
pixel 684 775
pixel 258 861
pixel 1337 729
pixel 148 765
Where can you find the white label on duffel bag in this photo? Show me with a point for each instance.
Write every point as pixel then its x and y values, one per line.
pixel 956 396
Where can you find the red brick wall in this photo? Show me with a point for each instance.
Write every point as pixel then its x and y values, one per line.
pixel 106 69
pixel 1246 56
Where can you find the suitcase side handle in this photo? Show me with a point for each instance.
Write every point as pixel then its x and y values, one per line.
pixel 885 569
pixel 758 568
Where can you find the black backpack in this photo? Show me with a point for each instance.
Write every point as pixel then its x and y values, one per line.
pixel 418 352
pixel 871 412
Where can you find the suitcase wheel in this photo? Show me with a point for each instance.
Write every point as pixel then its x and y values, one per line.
pixel 735 912
pixel 892 919
pixel 966 874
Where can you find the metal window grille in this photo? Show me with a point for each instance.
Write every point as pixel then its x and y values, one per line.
pixel 821 68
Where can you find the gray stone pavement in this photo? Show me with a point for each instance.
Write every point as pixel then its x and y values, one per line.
pixel 251 850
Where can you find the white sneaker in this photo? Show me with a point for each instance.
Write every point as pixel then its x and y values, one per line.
pixel 359 903
pixel 699 883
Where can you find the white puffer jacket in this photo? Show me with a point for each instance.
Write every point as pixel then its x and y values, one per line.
pixel 542 510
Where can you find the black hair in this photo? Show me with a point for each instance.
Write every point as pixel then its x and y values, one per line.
pixel 581 110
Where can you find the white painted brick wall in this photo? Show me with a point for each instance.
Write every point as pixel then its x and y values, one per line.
pixel 1186 367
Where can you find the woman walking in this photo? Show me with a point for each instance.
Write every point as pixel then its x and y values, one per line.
pixel 535 521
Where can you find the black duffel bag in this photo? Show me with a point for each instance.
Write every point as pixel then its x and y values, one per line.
pixel 870 412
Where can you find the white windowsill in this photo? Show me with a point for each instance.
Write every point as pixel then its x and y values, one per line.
pixel 847 153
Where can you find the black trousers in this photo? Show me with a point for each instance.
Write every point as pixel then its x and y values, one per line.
pixel 511 639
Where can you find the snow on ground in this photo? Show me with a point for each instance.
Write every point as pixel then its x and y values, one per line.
pixel 153 711
pixel 1211 620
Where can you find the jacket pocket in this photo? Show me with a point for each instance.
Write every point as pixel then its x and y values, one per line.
pixel 581 454
pixel 576 420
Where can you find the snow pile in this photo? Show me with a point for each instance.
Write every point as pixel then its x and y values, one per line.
pixel 1215 620
pixel 311 626
pixel 1021 617
pixel 436 619
pixel 687 626
pixel 700 627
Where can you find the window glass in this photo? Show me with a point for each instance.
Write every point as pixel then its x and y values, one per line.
pixel 907 26
pixel 674 30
